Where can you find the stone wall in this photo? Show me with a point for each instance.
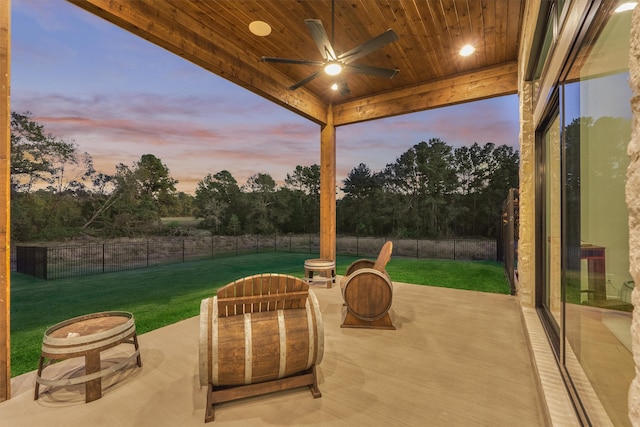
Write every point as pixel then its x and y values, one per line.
pixel 633 204
pixel 526 242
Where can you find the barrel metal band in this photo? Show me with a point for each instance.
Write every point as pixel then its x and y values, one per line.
pixel 319 326
pixel 204 335
pixel 311 334
pixel 248 354
pixel 89 377
pixel 213 354
pixel 84 339
pixel 48 349
pixel 282 333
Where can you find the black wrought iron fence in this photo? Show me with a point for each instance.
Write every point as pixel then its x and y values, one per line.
pixel 55 262
pixel 454 249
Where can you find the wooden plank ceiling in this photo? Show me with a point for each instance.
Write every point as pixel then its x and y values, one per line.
pixel 215 35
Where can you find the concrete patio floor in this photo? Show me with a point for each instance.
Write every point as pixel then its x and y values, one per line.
pixel 457 358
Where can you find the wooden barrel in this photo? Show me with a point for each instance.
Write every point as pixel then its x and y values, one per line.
pixel 256 347
pixel 367 294
pixel 87 336
pixel 358 264
pixel 99 331
pixel 325 268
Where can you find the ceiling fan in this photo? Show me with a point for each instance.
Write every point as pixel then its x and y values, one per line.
pixel 335 65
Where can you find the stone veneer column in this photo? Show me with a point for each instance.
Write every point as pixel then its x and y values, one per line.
pixel 633 205
pixel 526 242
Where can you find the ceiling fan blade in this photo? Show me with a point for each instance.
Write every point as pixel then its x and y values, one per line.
pixel 320 37
pixel 305 80
pixel 290 61
pixel 368 47
pixel 372 71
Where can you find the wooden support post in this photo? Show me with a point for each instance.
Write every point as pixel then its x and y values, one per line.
pixel 93 388
pixel 328 189
pixel 5 197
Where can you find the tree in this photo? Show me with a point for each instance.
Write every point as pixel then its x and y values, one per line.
pixel 139 199
pixel 425 178
pixel 502 174
pixel 486 173
pixel 183 206
pixel 361 202
pixel 156 186
pixel 472 167
pixel 302 189
pixel 218 197
pixel 103 184
pixel 305 179
pixel 234 224
pixel 39 158
pixel 263 214
pixel 42 215
pixel 48 178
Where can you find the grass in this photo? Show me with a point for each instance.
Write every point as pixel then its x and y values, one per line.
pixel 485 276
pixel 162 295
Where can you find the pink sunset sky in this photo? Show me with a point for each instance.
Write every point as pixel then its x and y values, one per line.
pixel 118 97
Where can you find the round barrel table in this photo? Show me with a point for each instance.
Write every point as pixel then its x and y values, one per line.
pixel 87 336
pixel 325 268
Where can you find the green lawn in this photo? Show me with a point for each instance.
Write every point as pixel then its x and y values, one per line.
pixel 162 295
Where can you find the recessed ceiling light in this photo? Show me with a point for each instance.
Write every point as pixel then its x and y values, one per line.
pixel 334 86
pixel 467 50
pixel 630 5
pixel 260 28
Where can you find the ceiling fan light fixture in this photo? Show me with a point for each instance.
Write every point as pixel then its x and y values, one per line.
pixel 333 68
pixel 467 50
pixel 626 6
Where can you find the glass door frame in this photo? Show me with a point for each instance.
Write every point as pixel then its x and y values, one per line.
pixel 551 327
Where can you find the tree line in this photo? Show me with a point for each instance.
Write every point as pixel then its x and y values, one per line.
pixel 431 190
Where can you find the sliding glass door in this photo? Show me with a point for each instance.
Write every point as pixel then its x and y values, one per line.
pixel 583 281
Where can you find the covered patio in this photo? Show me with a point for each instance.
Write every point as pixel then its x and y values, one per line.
pixel 217 36
pixel 457 358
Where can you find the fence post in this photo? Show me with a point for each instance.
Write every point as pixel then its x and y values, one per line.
pixel 289 242
pixel 454 249
pixel 357 246
pixel 417 248
pixel 275 242
pixel 46 263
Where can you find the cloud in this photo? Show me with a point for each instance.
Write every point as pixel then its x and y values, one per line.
pixel 119 97
pixel 196 135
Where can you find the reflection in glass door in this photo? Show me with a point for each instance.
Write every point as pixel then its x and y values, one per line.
pixel 549 231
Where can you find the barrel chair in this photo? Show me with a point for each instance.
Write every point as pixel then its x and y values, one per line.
pixel 367 292
pixel 259 334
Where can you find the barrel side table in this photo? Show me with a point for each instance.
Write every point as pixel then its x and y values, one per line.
pixel 320 270
pixel 87 336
